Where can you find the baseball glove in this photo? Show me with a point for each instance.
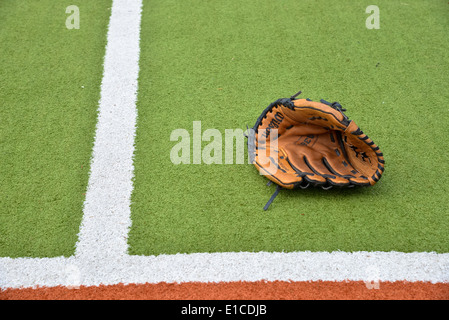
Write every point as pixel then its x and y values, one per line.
pixel 297 143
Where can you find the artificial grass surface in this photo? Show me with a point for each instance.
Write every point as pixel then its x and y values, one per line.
pixel 49 91
pixel 223 62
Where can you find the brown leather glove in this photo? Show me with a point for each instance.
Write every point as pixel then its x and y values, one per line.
pixel 302 143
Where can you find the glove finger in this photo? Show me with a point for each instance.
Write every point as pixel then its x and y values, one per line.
pixel 343 169
pixel 276 168
pixel 318 165
pixel 296 161
pixel 337 161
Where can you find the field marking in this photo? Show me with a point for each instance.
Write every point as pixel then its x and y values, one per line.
pixel 106 214
pixel 101 253
pixel 226 267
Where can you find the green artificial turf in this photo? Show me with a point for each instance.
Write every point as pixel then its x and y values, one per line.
pixel 49 90
pixel 223 62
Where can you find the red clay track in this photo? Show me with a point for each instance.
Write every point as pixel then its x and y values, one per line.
pixel 276 290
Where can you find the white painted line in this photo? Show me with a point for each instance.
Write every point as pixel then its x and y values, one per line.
pixel 101 253
pixel 106 219
pixel 231 266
